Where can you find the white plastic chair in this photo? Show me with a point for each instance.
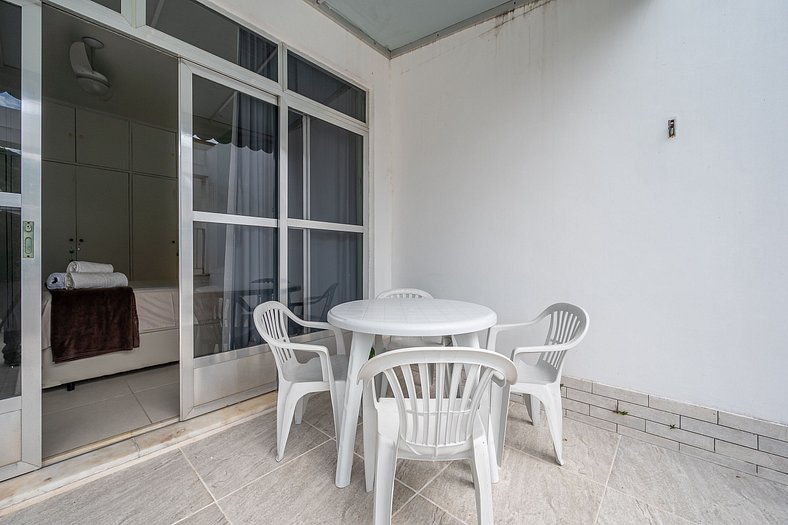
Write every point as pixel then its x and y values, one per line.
pixel 433 416
pixel 391 343
pixel 542 381
pixel 404 293
pixel 297 379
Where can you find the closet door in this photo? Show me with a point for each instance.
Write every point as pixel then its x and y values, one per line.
pixel 102 140
pixel 153 150
pixel 103 217
pixel 59 216
pixel 155 228
pixel 58 132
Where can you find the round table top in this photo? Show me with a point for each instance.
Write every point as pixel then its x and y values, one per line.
pixel 412 317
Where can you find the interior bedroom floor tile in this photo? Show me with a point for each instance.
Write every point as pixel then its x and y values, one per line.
pixel 153 377
pixel 160 403
pixel 58 398
pixel 72 428
pixel 695 489
pixel 161 490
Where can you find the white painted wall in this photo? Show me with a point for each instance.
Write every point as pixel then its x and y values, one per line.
pixel 531 165
pixel 305 29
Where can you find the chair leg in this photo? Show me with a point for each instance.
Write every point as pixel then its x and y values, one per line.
pixel 285 410
pixel 300 409
pixel 385 467
pixel 534 407
pixel 556 423
pixel 370 429
pixel 480 466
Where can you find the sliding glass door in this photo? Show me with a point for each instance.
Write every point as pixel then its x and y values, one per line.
pixel 20 248
pixel 229 150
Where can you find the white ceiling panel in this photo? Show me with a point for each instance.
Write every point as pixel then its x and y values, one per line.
pixel 397 25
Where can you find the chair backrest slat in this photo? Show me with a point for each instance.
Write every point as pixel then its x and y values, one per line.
pixel 568 323
pixel 404 293
pixel 438 405
pixel 271 319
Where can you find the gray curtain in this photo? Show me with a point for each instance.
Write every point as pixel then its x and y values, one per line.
pixel 250 257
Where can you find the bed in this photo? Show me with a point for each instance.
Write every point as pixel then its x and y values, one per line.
pixel 157 309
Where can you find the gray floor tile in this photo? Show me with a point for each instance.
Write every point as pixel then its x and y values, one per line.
pixel 414 474
pixel 419 511
pixel 75 427
pixel 86 392
pixel 530 491
pixel 588 450
pixel 303 492
pixel 318 413
pixel 161 402
pixel 695 489
pixel 161 490
pixel 228 460
pixel 208 516
pixel 618 508
pixel 153 377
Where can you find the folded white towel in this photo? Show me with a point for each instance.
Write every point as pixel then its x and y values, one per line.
pixel 56 281
pixel 89 267
pixel 79 280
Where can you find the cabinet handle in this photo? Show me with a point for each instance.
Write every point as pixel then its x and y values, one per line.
pixel 71 240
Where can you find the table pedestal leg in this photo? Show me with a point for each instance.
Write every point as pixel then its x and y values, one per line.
pixel 346 435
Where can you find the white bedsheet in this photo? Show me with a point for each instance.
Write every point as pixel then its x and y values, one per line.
pixel 157 309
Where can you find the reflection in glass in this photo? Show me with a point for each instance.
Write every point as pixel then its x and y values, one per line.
pixel 235 151
pixel 321 86
pixel 329 183
pixel 327 265
pixel 10 295
pixel 238 271
pixel 206 29
pixel 10 97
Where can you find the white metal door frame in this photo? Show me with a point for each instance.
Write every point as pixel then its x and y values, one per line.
pixel 29 202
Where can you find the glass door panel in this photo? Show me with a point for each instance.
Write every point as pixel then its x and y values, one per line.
pixel 229 204
pixel 20 273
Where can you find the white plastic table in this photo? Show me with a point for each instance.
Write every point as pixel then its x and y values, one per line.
pixel 397 317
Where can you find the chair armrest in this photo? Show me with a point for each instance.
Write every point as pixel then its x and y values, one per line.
pixel 322 354
pixel 321 326
pixel 495 330
pixel 541 349
pixel 326 326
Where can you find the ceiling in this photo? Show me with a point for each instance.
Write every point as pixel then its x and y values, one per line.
pixel 144 80
pixel 396 27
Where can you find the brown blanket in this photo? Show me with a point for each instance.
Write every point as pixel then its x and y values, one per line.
pixel 91 322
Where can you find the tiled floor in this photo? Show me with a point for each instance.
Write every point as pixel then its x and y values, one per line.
pixel 102 408
pixel 232 477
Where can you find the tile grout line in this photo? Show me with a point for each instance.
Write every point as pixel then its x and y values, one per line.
pixel 612 463
pixel 418 493
pixel 599 508
pixel 279 466
pixel 210 492
pixel 441 508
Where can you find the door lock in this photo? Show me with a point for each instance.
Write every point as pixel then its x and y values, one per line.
pixel 28 239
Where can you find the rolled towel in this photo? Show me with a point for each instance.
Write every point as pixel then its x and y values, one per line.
pixel 80 280
pixel 56 281
pixel 89 267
